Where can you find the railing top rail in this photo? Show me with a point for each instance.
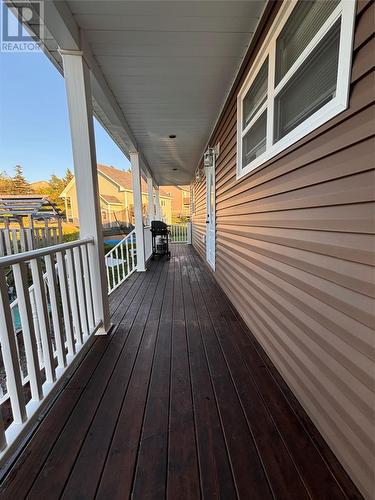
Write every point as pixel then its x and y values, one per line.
pixel 10 260
pixel 120 242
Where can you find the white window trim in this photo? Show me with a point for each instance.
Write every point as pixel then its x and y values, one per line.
pixel 345 10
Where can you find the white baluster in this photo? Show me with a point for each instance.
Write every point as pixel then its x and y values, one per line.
pixel 36 326
pixel 10 355
pixel 81 289
pixel 8 245
pixel 73 297
pixel 41 306
pixel 63 282
pixel 20 275
pixel 2 243
pixel 55 309
pixel 88 288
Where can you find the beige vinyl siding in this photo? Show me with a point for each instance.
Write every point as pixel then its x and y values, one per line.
pixel 294 253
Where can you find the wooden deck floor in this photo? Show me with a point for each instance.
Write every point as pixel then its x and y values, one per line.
pixel 179 402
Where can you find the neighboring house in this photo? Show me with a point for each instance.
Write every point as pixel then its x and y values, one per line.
pixel 180 201
pixel 116 198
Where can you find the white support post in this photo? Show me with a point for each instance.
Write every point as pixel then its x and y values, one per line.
pixel 151 209
pixel 137 197
pixel 157 204
pixel 189 232
pixel 77 82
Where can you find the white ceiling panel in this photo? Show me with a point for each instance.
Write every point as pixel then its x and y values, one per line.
pixel 170 66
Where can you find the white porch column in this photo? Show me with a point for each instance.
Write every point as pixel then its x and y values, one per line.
pixel 151 209
pixel 78 89
pixel 137 197
pixel 157 204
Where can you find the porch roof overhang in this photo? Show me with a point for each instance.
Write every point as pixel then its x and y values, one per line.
pixel 158 68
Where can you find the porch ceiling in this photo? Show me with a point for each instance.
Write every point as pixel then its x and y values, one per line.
pixel 170 66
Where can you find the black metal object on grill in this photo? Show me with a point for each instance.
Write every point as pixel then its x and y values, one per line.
pixel 160 238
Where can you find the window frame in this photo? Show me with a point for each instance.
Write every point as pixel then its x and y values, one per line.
pixel 346 10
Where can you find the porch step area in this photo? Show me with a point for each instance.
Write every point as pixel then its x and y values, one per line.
pixel 179 402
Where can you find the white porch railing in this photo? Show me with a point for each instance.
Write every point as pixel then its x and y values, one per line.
pixel 181 232
pixel 16 240
pixel 121 261
pixel 148 242
pixel 53 287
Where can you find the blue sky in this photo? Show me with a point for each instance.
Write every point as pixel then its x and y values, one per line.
pixel 34 127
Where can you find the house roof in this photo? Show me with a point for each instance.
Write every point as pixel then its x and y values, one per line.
pixel 124 179
pixel 121 177
pixel 112 200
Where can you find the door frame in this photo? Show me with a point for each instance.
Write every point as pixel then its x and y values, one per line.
pixel 211 171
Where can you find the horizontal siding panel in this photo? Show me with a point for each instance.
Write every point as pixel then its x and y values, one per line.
pixel 322 219
pixel 337 192
pixel 295 255
pixel 338 322
pixel 349 247
pixel 362 59
pixel 357 277
pixel 365 27
pixel 362 5
pixel 358 306
pixel 330 358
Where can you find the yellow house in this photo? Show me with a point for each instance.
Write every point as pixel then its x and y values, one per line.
pixel 116 198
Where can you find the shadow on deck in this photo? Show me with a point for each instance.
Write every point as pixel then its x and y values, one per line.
pixel 178 402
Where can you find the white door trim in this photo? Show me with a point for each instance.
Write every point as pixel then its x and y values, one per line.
pixel 211 216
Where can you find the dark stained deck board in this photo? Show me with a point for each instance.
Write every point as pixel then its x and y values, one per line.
pixel 248 471
pixel 150 481
pixel 182 455
pixel 123 449
pixel 180 401
pixel 215 469
pixel 99 444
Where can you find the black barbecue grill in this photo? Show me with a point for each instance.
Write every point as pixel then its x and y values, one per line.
pixel 160 238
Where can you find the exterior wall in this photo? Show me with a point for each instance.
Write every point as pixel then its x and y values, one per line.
pixel 294 254
pixel 166 209
pixel 124 212
pixel 105 187
pixel 180 205
pixel 109 188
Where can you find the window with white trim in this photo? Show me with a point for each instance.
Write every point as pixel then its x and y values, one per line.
pixel 299 80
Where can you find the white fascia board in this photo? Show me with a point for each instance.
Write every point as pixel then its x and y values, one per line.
pixel 61 24
pixel 64 192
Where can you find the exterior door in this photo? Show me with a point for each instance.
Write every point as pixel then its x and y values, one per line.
pixel 210 215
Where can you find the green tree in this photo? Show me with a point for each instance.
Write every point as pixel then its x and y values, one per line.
pixel 6 183
pixel 56 186
pixel 20 184
pixel 68 176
